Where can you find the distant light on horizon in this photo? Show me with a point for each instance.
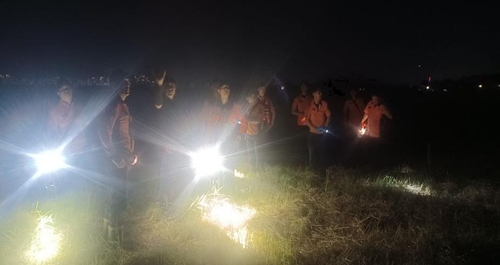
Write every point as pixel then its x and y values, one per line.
pixel 481 86
pixel 428 87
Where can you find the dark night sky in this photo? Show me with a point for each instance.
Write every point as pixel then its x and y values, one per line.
pixel 245 40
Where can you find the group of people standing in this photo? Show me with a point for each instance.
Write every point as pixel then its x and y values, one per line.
pixel 358 120
pixel 238 128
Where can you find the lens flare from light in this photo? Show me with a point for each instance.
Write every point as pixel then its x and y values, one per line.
pixel 207 162
pixel 45 243
pixel 229 217
pixel 49 161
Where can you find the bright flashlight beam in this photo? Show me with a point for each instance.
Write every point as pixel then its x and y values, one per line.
pixel 49 161
pixel 206 162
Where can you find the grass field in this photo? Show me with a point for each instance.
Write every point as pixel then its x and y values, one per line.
pixel 355 216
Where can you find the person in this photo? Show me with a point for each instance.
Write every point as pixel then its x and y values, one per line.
pixel 65 128
pixel 114 133
pixel 167 122
pixel 300 104
pixel 220 122
pixel 220 115
pixel 317 119
pixel 299 108
pixel 66 120
pixel 373 113
pixel 253 116
pixel 165 89
pixel 270 111
pixel 268 120
pixel 353 113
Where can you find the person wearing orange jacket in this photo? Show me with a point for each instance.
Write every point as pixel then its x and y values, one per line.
pixel 353 113
pixel 114 134
pixel 317 119
pixel 270 111
pixel 373 113
pixel 66 120
pixel 300 104
pixel 299 108
pixel 65 128
pixel 253 115
pixel 220 119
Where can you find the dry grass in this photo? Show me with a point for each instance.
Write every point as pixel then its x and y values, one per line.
pixel 351 217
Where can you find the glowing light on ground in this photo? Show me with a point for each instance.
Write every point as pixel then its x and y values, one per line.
pixel 417 189
pixel 407 186
pixel 229 217
pixel 238 174
pixel 45 243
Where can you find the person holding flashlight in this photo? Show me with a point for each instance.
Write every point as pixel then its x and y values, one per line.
pixel 317 118
pixel 220 115
pixel 115 137
pixel 220 118
pixel 299 108
pixel 373 113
